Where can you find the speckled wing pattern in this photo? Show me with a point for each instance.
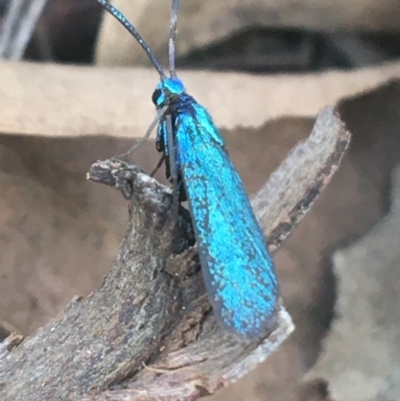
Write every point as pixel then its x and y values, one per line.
pixel 238 270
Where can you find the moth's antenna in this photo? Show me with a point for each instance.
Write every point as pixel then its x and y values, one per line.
pixel 121 18
pixel 172 37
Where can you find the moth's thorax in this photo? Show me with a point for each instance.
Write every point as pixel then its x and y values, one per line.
pixel 167 91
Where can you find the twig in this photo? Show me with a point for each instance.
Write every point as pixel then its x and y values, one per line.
pixel 152 307
pixel 18 27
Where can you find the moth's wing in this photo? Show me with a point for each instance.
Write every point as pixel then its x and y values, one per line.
pixel 238 270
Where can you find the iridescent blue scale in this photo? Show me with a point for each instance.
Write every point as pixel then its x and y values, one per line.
pixel 238 271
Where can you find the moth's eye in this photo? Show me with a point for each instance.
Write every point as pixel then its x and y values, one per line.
pixel 156 96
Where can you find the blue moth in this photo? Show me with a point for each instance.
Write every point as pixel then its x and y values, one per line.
pixel 238 271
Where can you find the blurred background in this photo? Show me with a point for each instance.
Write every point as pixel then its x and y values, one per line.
pixel 75 87
pixel 252 36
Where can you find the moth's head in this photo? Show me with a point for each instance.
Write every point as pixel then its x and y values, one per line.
pixel 166 91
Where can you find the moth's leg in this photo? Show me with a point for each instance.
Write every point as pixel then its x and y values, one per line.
pixel 173 166
pixel 156 120
pixel 181 189
pixel 159 164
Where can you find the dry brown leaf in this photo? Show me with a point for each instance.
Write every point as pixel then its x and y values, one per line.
pixel 202 22
pixel 55 100
pixel 360 360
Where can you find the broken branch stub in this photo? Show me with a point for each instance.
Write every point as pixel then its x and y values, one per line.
pixel 148 332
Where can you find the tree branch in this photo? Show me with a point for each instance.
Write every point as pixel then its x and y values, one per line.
pixel 148 332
